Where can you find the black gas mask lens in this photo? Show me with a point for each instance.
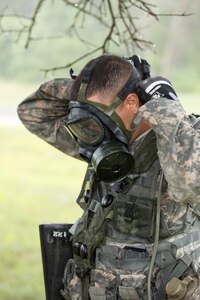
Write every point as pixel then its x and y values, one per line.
pixel 89 131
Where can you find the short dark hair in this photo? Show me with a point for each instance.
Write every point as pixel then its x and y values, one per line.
pixel 108 77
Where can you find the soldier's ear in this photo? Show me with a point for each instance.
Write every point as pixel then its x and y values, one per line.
pixel 132 103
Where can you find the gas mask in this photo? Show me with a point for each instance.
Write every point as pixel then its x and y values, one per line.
pixel 101 141
pixel 99 132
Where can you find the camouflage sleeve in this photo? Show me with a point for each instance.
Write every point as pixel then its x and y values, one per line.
pixel 178 147
pixel 43 111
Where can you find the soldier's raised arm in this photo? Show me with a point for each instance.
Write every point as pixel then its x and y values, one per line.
pixel 42 113
pixel 178 145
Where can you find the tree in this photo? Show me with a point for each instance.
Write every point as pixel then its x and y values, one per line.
pixel 118 21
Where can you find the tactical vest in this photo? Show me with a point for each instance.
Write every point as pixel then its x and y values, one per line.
pixel 124 210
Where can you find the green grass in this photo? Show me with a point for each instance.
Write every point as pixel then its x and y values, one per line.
pixel 38 185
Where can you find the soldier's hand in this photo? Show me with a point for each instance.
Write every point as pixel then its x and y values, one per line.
pixel 155 88
pixel 142 66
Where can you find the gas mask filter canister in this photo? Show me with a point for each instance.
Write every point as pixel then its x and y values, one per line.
pixel 112 162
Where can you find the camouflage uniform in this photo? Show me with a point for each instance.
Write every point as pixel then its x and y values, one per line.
pixel 178 150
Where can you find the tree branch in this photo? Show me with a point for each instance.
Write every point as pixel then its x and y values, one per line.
pixel 72 62
pixel 33 20
pixel 119 19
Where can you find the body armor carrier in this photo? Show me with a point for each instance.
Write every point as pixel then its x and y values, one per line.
pixel 126 209
pixel 123 211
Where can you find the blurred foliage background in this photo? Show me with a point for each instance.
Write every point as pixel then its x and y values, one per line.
pixel 174 53
pixel 39 184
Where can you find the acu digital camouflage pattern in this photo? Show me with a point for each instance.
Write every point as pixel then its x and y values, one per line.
pixel 178 147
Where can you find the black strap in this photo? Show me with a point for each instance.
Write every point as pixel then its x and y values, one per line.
pixel 84 195
pixel 87 71
pixel 130 85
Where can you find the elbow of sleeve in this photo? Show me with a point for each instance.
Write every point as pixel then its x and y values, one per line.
pixel 24 115
pixel 21 113
pixel 19 110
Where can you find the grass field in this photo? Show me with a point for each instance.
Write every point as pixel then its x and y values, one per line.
pixel 38 185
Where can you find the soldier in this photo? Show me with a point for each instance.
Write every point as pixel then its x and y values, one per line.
pixel 138 237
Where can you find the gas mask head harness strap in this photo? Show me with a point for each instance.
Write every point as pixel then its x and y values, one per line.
pixel 128 88
pixel 99 132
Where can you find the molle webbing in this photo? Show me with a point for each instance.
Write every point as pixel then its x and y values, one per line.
pixel 90 229
pixel 135 207
pixel 134 199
